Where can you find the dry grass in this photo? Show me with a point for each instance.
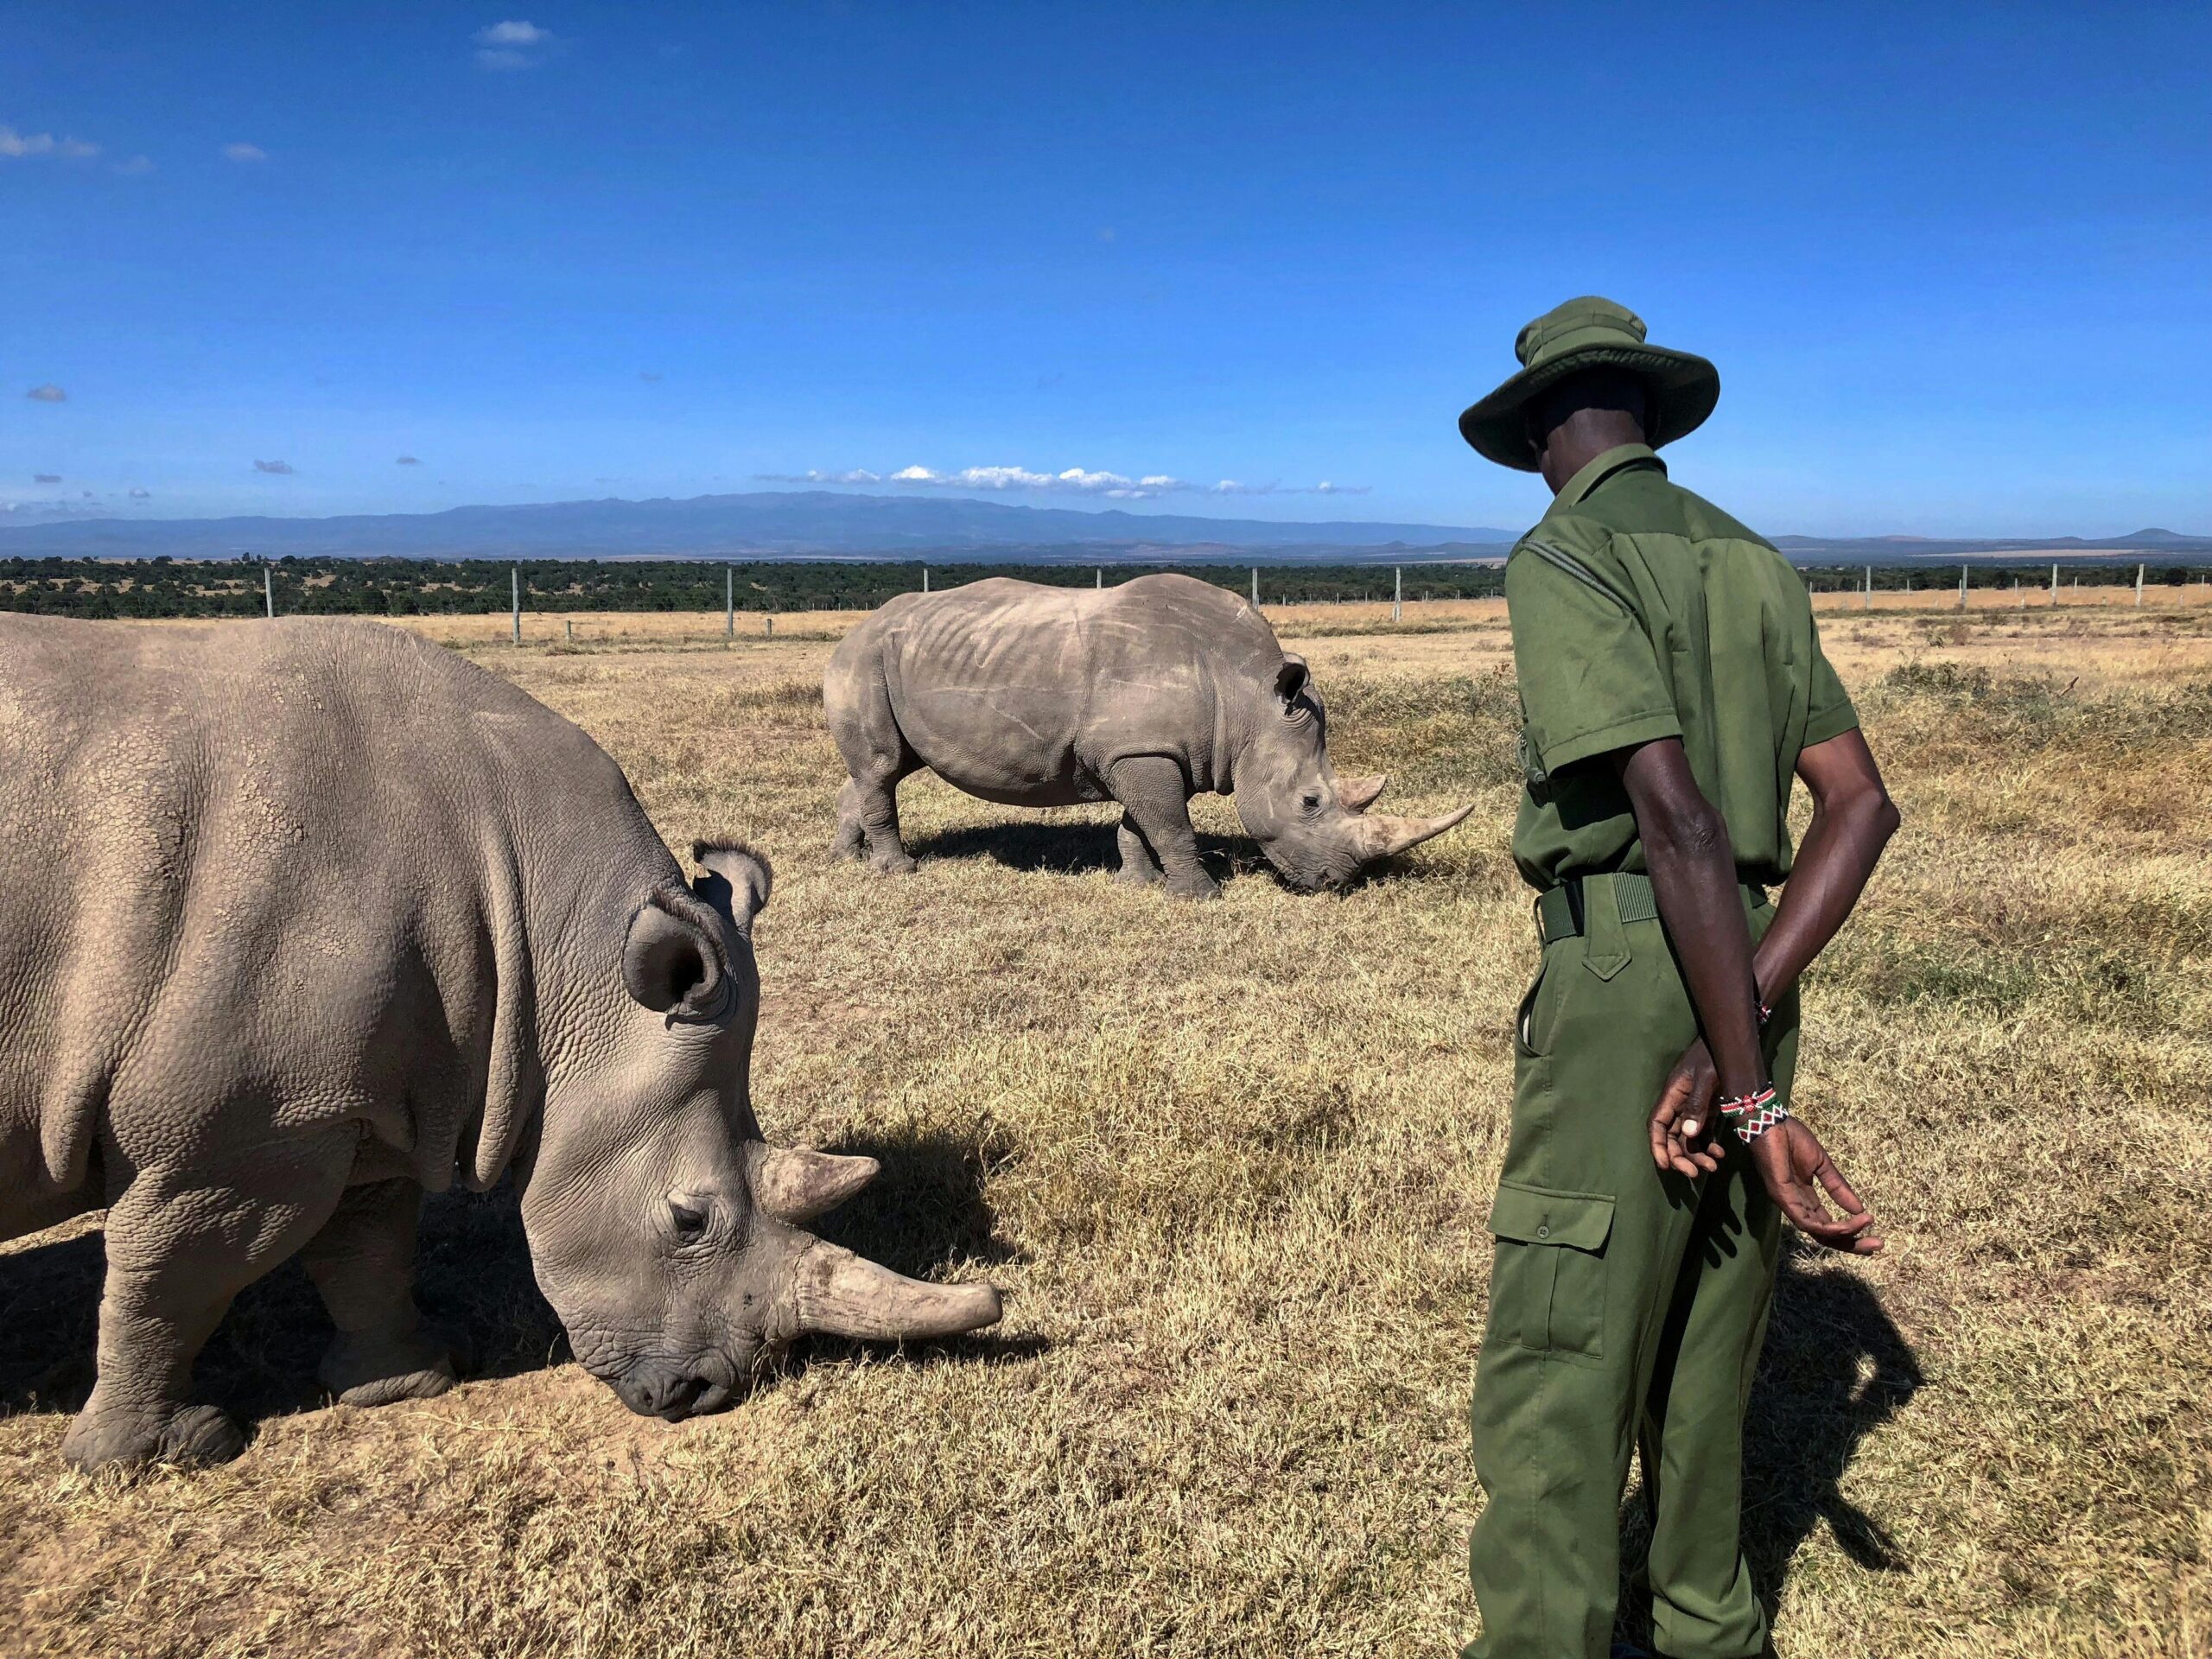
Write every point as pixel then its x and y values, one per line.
pixel 1233 1163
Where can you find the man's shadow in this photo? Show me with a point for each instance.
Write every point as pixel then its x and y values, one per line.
pixel 473 1275
pixel 1835 1370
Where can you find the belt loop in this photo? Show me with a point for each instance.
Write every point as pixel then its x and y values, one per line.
pixel 1605 946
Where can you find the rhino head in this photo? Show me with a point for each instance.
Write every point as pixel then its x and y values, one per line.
pixel 1314 827
pixel 664 1232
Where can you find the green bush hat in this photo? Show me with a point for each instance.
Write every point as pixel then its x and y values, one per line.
pixel 1587 334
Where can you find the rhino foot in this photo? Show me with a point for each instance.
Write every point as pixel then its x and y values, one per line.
pixel 1195 885
pixel 893 864
pixel 1139 875
pixel 194 1434
pixel 376 1371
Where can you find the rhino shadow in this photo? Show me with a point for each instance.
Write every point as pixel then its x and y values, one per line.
pixel 1835 1369
pixel 1071 849
pixel 472 1276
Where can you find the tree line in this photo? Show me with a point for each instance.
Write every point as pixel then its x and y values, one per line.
pixel 325 586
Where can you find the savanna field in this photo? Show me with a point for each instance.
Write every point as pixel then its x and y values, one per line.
pixel 1232 1164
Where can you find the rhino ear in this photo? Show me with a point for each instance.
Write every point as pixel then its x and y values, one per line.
pixel 669 961
pixel 736 882
pixel 1291 678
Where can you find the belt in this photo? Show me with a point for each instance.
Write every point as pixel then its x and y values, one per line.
pixel 1560 910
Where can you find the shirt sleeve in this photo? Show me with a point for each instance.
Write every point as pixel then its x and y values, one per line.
pixel 1590 677
pixel 1830 713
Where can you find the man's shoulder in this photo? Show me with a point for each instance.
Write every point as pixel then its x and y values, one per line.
pixel 1704 522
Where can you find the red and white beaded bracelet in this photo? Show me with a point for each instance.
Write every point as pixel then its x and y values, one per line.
pixel 1754 1114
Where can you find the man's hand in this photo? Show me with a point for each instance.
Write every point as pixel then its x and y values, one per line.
pixel 1795 1171
pixel 1686 1130
pixel 1690 1137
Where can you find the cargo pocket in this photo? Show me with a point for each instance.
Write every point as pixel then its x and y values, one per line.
pixel 1548 1289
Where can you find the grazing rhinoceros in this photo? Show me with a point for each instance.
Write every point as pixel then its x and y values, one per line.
pixel 1146 694
pixel 300 919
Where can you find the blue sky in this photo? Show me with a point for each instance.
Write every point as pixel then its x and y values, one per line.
pixel 1952 260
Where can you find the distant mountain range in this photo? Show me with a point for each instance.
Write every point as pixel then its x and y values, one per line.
pixel 772 524
pixel 820 524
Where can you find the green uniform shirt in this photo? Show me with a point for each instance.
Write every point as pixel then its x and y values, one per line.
pixel 1640 612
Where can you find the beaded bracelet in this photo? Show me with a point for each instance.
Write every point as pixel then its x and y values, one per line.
pixel 1754 1114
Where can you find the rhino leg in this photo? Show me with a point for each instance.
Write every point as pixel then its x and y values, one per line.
pixel 1139 867
pixel 867 812
pixel 177 1255
pixel 877 755
pixel 1156 802
pixel 363 1263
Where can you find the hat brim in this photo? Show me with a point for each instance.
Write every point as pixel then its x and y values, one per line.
pixel 1684 390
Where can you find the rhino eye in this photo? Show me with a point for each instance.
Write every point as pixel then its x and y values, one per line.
pixel 690 1225
pixel 1310 800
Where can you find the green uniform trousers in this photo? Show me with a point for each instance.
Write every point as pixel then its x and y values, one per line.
pixel 1627 1308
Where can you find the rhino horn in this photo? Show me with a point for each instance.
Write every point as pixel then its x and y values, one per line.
pixel 1357 794
pixel 797 1184
pixel 1387 837
pixel 832 1291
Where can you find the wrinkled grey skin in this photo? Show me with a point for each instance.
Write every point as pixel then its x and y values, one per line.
pixel 299 920
pixel 1144 694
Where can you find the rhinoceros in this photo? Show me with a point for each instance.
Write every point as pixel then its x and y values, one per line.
pixel 301 919
pixel 1144 694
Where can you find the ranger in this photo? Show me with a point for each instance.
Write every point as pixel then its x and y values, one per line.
pixel 1671 684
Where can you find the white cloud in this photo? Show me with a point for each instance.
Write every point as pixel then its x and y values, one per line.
pixel 245 153
pixel 1073 480
pixel 48 393
pixel 131 167
pixel 45 144
pixel 141 495
pixel 46 478
pixel 407 460
pixel 513 45
pixel 273 467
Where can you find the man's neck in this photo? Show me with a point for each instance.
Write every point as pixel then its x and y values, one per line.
pixel 1581 438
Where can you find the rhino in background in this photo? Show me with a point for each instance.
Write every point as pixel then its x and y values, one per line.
pixel 1145 694
pixel 301 919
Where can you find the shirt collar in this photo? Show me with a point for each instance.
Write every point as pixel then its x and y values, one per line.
pixel 1584 484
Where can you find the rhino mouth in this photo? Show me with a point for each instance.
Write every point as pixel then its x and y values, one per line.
pixel 673 1390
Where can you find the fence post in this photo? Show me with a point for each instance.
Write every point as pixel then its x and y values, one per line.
pixel 514 578
pixel 570 623
pixel 268 594
pixel 925 578
pixel 1256 586
pixel 730 603
pixel 1101 579
pixel 1962 586
pixel 1397 594
pixel 2138 587
pixel 2020 595
pixel 1869 604
pixel 771 621
pixel 2054 586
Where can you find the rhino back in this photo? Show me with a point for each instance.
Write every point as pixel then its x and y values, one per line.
pixel 989 685
pixel 255 878
pixel 1025 694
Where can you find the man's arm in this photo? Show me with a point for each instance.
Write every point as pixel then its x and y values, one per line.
pixel 1852 820
pixel 1693 869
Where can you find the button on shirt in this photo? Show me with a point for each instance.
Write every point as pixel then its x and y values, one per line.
pixel 1640 612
